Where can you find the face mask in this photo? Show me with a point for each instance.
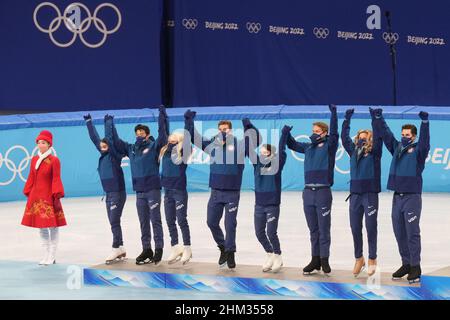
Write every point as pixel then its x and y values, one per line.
pixel 314 137
pixel 171 146
pixel 405 141
pixel 139 140
pixel 361 143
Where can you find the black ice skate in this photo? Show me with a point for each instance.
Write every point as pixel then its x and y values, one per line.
pixel 401 272
pixel 223 256
pixel 414 274
pixel 145 257
pixel 312 266
pixel 230 260
pixel 325 266
pixel 158 256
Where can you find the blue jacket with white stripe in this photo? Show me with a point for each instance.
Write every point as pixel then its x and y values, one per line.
pixel 365 168
pixel 143 157
pixel 319 158
pixel 109 163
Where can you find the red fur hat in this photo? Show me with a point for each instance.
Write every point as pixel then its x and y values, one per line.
pixel 46 136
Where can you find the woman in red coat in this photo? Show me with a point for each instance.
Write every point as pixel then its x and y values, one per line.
pixel 44 190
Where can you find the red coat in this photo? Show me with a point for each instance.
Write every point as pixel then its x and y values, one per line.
pixel 44 189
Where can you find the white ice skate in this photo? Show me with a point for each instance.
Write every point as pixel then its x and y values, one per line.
pixel 267 266
pixel 117 254
pixel 277 263
pixel 187 255
pixel 175 254
pixel 46 247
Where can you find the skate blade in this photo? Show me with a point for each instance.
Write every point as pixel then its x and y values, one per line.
pixel 146 261
pixel 356 275
pixel 397 279
pixel 223 266
pixel 186 262
pixel 414 281
pixel 267 270
pixel 311 273
pixel 178 258
pixel 326 274
pixel 122 259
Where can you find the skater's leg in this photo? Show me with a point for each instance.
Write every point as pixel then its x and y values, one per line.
pixel 181 203
pixel 115 202
pixel 231 211
pixel 214 215
pixel 154 203
pixel 144 219
pixel 324 201
pixel 398 223
pixel 312 221
pixel 44 235
pixel 273 215
pixel 371 217
pixel 356 221
pixel 260 228
pixel 413 208
pixel 170 212
pixel 54 240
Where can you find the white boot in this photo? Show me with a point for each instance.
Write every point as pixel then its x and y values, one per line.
pixel 116 254
pixel 187 255
pixel 277 263
pixel 54 237
pixel 267 266
pixel 175 254
pixel 45 242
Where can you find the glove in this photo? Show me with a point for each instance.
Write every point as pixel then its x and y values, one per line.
pixel 57 204
pixel 162 110
pixel 108 117
pixel 423 115
pixel 286 129
pixel 87 117
pixel 349 113
pixel 376 113
pixel 246 122
pixel 189 114
pixel 332 107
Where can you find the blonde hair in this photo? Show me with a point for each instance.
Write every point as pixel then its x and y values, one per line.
pixel 178 137
pixel 368 147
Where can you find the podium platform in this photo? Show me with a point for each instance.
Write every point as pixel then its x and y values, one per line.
pixel 249 279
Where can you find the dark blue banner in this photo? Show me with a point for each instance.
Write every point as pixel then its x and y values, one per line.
pixel 66 55
pixel 250 52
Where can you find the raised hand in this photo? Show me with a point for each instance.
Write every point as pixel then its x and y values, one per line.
pixel 286 129
pixel 162 110
pixel 332 107
pixel 189 114
pixel 87 117
pixel 349 113
pixel 108 117
pixel 423 115
pixel 246 122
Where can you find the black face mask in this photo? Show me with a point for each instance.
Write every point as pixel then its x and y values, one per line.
pixel 140 140
pixel 315 138
pixel 361 143
pixel 406 141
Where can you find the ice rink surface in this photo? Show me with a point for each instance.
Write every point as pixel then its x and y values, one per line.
pixel 87 238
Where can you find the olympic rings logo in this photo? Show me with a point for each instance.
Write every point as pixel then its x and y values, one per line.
pixel 190 23
pixel 21 167
pixel 253 27
pixel 321 33
pixel 390 37
pixel 78 27
pixel 339 154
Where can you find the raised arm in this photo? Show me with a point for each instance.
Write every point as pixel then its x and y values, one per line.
pixel 424 138
pixel 377 139
pixel 296 146
pixel 386 133
pixel 93 134
pixel 119 145
pixel 347 142
pixel 252 136
pixel 196 138
pixel 163 128
pixel 285 132
pixel 333 140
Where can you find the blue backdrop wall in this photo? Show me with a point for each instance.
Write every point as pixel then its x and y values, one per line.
pixel 79 157
pixel 222 52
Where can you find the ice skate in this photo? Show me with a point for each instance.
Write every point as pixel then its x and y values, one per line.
pixel 372 267
pixel 277 263
pixel 267 266
pixel 187 255
pixel 158 256
pixel 116 255
pixel 414 274
pixel 223 257
pixel 145 257
pixel 359 266
pixel 230 260
pixel 175 254
pixel 401 272
pixel 326 269
pixel 314 265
